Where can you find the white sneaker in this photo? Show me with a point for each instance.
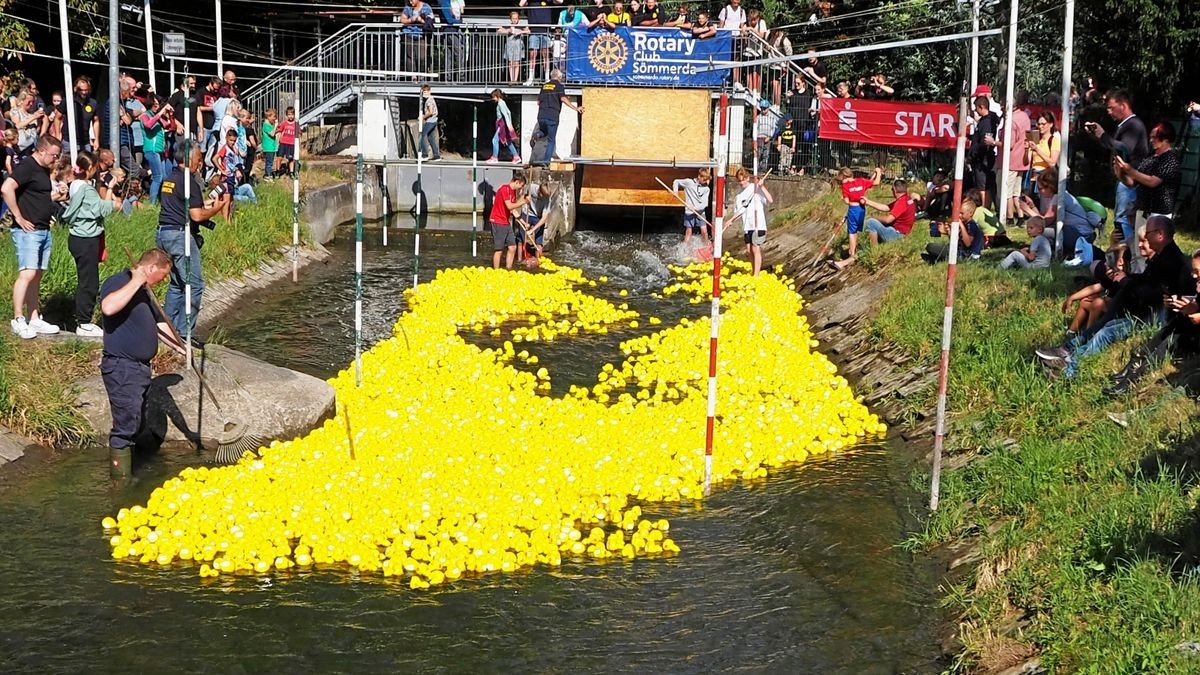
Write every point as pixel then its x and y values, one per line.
pixel 89 330
pixel 1073 262
pixel 43 328
pixel 21 329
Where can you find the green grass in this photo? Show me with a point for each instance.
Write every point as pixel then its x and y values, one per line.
pixel 1090 532
pixel 41 406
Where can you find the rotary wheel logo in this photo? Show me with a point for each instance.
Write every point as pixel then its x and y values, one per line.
pixel 607 53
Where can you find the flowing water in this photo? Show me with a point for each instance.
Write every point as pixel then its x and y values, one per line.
pixel 796 574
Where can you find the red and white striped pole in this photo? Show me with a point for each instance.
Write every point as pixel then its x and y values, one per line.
pixel 948 316
pixel 718 230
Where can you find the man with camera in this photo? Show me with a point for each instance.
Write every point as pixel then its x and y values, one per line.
pixel 179 219
pixel 1131 143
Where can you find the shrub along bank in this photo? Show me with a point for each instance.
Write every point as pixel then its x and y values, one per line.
pixel 37 396
pixel 1087 530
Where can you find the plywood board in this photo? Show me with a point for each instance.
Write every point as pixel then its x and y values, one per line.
pixel 629 185
pixel 646 123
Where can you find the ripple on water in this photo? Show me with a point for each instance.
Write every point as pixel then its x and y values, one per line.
pixel 797 574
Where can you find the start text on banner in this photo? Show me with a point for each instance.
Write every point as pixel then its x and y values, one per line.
pixel 646 56
pixel 896 123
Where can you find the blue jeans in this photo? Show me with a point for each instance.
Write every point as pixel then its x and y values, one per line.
pixel 157 173
pixel 884 232
pixel 429 131
pixel 1112 331
pixel 268 164
pixel 172 241
pixel 512 147
pixel 549 128
pixel 245 193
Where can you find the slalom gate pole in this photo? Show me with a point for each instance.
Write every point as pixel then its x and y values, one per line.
pixel 1010 96
pixel 1064 123
pixel 296 191
pixel 718 232
pixel 417 224
pixel 948 315
pixel 68 90
pixel 386 198
pixel 187 234
pixel 358 267
pixel 474 181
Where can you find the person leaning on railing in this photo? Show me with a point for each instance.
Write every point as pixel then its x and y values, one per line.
pixel 452 29
pixel 778 45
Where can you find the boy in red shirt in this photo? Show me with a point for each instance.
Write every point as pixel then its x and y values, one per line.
pixel 854 193
pixel 507 203
pixel 288 130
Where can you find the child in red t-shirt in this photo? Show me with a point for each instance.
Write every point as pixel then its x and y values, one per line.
pixel 507 203
pixel 854 192
pixel 288 130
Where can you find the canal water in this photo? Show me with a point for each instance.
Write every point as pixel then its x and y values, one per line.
pixel 796 574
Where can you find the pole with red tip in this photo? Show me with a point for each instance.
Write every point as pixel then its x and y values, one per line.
pixel 948 314
pixel 718 227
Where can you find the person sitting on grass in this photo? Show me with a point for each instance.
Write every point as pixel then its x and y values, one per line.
pixel 1139 301
pixel 1180 336
pixel 1094 299
pixel 970 237
pixel 896 222
pixel 939 194
pixel 1077 221
pixel 1037 254
pixel 854 194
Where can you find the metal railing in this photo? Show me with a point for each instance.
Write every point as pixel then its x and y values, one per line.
pixel 475 55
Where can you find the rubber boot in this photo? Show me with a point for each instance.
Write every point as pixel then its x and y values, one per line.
pixel 120 463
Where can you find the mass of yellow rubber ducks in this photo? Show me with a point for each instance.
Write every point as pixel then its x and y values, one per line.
pixel 452 459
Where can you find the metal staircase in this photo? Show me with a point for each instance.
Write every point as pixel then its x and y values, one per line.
pixel 360 47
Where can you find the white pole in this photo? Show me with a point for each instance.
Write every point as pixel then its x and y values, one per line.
pixel 171 82
pixel 417 223
pixel 1064 122
pixel 221 45
pixel 358 267
pixel 939 437
pixel 70 93
pixel 1009 85
pixel 974 46
pixel 296 190
pixel 187 230
pixel 114 74
pixel 150 49
pixel 383 190
pixel 474 179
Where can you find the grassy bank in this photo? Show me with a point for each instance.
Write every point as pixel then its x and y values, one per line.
pixel 1088 532
pixel 37 397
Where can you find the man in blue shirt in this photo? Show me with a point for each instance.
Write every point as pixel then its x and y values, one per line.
pixel 132 330
pixel 417 18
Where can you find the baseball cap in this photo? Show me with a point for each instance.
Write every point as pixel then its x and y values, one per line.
pixel 764 104
pixel 982 90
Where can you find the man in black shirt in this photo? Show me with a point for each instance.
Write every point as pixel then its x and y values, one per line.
pixel 650 15
pixel 1131 143
pixel 815 71
pixel 550 103
pixel 132 330
pixel 87 116
pixel 186 89
pixel 27 193
pixel 179 219
pixel 983 150
pixel 1168 272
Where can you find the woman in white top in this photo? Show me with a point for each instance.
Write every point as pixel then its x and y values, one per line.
pixel 28 122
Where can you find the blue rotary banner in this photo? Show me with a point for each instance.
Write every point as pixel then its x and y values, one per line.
pixel 647 56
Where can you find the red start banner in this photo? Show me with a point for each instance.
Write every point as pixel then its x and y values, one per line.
pixel 897 123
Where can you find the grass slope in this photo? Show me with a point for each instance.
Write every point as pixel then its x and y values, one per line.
pixel 1089 532
pixel 37 396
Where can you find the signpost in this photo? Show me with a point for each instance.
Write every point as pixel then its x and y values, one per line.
pixel 174 45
